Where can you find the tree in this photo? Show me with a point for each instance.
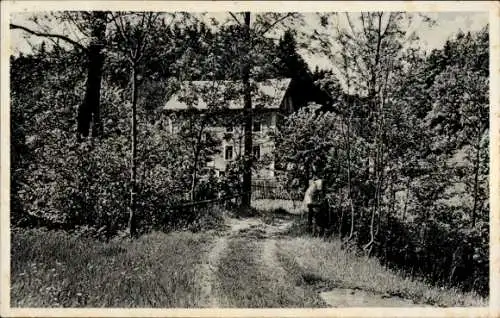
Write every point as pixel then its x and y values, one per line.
pixel 423 124
pixel 247 109
pixel 304 144
pixel 92 26
pixel 371 49
pixel 134 39
pixel 44 151
pixel 290 64
pixel 460 112
pixel 194 124
pixel 253 43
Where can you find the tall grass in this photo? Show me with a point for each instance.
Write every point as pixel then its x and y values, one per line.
pixel 56 269
pixel 59 269
pixel 327 261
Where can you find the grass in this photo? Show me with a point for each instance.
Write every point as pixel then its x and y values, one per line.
pixel 294 207
pixel 56 269
pixel 273 217
pixel 245 281
pixel 319 261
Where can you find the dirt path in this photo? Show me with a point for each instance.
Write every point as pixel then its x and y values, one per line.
pixel 264 238
pixel 206 274
pixel 207 277
pixel 256 227
pixel 236 228
pixel 347 297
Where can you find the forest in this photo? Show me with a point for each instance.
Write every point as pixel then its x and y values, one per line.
pixel 399 135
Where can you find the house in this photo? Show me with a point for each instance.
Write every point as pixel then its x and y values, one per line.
pixel 223 100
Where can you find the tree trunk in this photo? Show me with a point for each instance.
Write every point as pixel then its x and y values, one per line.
pixel 378 173
pixel 133 169
pixel 89 110
pixel 476 177
pixel 193 177
pixel 407 198
pixel 247 168
pixel 349 190
pixel 378 206
pixel 341 222
pixel 194 172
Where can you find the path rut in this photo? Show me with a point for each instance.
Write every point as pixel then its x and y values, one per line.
pixel 266 237
pixel 207 274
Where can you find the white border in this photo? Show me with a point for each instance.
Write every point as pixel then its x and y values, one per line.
pixel 212 6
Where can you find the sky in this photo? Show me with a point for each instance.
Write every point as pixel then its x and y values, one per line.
pixel 447 24
pixel 430 37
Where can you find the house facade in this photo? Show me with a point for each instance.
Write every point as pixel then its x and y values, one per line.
pixel 223 102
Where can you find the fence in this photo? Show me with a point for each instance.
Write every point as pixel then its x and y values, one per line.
pixel 226 202
pixel 188 213
pixel 264 189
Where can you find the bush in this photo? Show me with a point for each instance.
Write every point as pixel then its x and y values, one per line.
pixel 59 182
pixel 444 255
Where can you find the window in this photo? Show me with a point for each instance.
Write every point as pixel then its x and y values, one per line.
pixel 256 125
pixel 229 129
pixel 228 153
pixel 170 126
pixel 256 152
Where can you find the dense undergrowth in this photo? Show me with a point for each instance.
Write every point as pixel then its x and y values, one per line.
pixel 443 255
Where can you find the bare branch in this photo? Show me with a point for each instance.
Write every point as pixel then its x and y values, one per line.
pixel 351 25
pixel 365 32
pixel 235 18
pixel 391 17
pixel 276 22
pixel 73 20
pixel 119 26
pixel 140 40
pixel 49 35
pixel 151 21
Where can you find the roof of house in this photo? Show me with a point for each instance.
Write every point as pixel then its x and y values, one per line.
pixel 227 94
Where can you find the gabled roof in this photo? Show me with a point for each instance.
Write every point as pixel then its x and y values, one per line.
pixel 227 94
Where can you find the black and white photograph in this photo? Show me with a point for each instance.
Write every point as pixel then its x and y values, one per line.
pixel 247 158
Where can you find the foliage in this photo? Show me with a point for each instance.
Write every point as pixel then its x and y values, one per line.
pixel 59 182
pixel 406 165
pixel 304 143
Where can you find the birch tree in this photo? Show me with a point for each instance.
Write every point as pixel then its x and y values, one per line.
pixel 135 38
pixel 370 46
